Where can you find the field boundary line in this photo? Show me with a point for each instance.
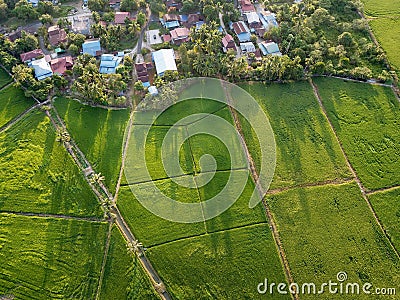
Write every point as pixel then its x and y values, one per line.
pixel 12 122
pixel 208 233
pixel 254 175
pixel 312 184
pixel 358 181
pixel 53 216
pixel 383 190
pixel 103 265
pixel 7 85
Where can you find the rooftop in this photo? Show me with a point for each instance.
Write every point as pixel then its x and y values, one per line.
pixel 164 60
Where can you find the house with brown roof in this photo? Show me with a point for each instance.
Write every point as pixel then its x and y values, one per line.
pixel 120 17
pixel 180 35
pixel 173 5
pixel 142 72
pixel 242 31
pixel 228 43
pixel 56 35
pixel 61 64
pixel 192 20
pixel 246 6
pixel 29 56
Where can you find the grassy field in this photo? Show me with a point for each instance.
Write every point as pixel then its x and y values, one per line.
pixel 124 277
pixel 44 258
pixel 38 175
pixel 4 78
pixel 366 119
pixel 223 265
pixel 306 148
pixel 329 229
pixel 387 31
pixel 387 207
pixel 99 134
pixel 381 7
pixel 12 103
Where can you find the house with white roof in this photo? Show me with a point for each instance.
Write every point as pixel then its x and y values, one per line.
pixel 109 63
pixel 164 60
pixel 42 68
pixel 247 47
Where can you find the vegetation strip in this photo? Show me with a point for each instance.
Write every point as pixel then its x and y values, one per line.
pixel 362 189
pixel 54 216
pixel 103 265
pixel 254 176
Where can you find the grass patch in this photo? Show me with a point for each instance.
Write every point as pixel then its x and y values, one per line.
pixel 329 229
pixel 382 7
pixel 223 265
pixel 4 78
pixel 12 103
pixel 124 277
pixel 38 175
pixel 366 119
pixel 99 134
pixel 387 207
pixel 44 258
pixel 307 151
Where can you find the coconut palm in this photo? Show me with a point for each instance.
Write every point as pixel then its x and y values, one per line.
pixel 135 247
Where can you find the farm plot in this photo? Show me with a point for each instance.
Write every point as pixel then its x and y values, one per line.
pixel 4 78
pixel 12 103
pixel 223 265
pixel 37 174
pixel 378 8
pixel 387 207
pixel 124 277
pixel 307 151
pixel 98 133
pixel 366 119
pixel 45 258
pixel 330 229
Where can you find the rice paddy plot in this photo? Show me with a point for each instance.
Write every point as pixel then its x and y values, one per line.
pixel 4 78
pixel 223 265
pixel 366 119
pixel 382 7
pixel 37 174
pixel 45 258
pixel 307 151
pixel 330 229
pixel 99 133
pixel 124 277
pixel 12 103
pixel 387 207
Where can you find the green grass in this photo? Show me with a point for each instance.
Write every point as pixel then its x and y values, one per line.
pixel 223 265
pixel 38 175
pixel 98 133
pixel 12 103
pixel 124 277
pixel 4 78
pixel 387 31
pixel 387 207
pixel 45 258
pixel 329 229
pixel 366 119
pixel 382 7
pixel 307 151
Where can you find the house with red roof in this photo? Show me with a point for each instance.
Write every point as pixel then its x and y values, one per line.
pixel 121 16
pixel 61 64
pixel 246 6
pixel 228 43
pixel 29 56
pixel 180 35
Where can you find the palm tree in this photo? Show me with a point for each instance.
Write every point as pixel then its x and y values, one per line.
pixel 135 247
pixel 97 178
pixel 63 136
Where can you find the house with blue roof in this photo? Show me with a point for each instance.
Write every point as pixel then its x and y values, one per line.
pixel 42 68
pixel 268 19
pixel 109 63
pixel 170 21
pixel 269 48
pixel 92 47
pixel 242 31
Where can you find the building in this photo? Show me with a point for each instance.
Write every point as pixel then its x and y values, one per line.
pixel 80 24
pixel 56 35
pixel 166 38
pixel 269 48
pixel 62 64
pixel 153 90
pixel 242 31
pixel 173 5
pixel 247 47
pixel 170 21
pixel 164 60
pixel 34 3
pixel 180 35
pixel 114 3
pixel 268 19
pixel 192 20
pixel 228 43
pixel 142 72
pixel 246 6
pixel 120 17
pixel 92 47
pixel 253 20
pixel 153 37
pixel 109 63
pixel 42 68
pixel 31 55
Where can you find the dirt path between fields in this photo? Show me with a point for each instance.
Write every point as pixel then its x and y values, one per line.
pixel 54 216
pixel 254 175
pixel 353 172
